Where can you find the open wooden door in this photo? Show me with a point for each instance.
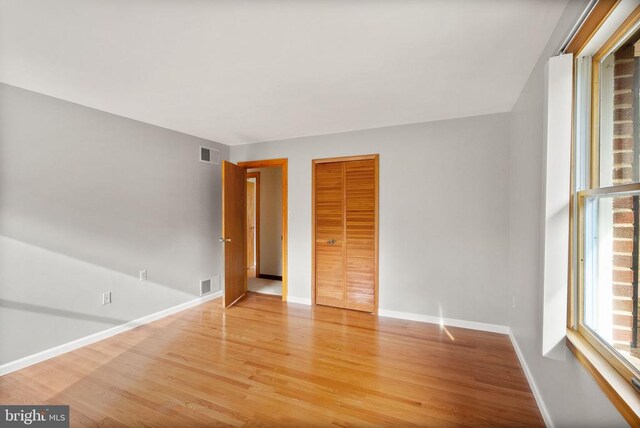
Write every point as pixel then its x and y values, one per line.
pixel 234 232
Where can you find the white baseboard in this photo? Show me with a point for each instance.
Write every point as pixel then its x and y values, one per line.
pixel 493 328
pixel 299 300
pixel 451 322
pixel 87 340
pixel 532 383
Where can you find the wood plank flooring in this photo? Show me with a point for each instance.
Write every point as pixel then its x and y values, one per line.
pixel 266 363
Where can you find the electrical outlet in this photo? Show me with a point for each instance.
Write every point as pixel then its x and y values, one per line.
pixel 106 298
pixel 143 275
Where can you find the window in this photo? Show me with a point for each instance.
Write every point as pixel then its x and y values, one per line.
pixel 610 209
pixel 604 314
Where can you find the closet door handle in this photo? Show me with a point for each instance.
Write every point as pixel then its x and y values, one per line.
pixel 331 241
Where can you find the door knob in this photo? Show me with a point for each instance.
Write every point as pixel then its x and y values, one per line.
pixel 331 241
pixel 224 239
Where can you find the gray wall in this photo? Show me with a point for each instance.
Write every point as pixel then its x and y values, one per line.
pixel 443 211
pixel 87 199
pixel 570 394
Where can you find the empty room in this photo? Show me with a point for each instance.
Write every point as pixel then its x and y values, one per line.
pixel 319 213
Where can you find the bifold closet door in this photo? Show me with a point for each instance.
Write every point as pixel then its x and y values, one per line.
pixel 345 210
pixel 329 227
pixel 360 227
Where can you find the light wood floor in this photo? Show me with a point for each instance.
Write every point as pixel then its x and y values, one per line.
pixel 264 363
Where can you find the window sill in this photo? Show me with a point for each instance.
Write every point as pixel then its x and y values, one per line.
pixel 623 396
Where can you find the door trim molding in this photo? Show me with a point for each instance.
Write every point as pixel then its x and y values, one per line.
pixel 314 162
pixel 256 254
pixel 284 164
pixel 345 159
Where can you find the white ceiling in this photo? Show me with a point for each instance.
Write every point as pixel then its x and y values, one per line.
pixel 241 71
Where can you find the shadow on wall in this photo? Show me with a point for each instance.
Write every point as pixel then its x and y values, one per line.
pixel 55 299
pixel 26 307
pixel 87 200
pixel 108 190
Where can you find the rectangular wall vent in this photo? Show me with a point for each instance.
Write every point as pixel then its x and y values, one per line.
pixel 205 154
pixel 205 286
pixel 209 155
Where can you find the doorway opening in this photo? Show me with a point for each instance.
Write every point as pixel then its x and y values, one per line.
pixel 267 261
pixel 264 230
pixel 255 228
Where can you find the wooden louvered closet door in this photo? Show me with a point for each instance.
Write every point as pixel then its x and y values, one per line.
pixel 345 227
pixel 330 234
pixel 360 210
